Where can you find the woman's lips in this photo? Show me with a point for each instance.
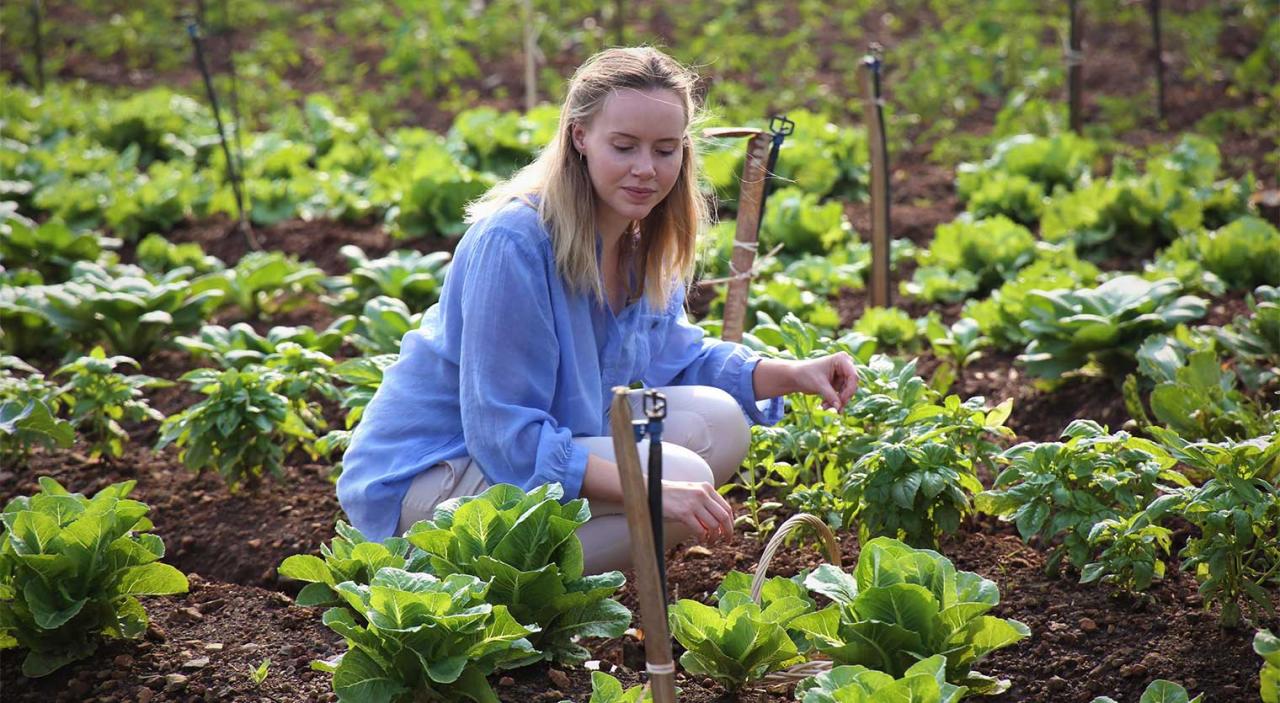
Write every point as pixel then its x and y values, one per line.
pixel 639 194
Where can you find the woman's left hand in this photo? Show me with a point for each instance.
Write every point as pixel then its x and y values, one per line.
pixel 832 377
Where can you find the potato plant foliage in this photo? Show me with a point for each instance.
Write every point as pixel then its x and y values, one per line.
pixel 71 569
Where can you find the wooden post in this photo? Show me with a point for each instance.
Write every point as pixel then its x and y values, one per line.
pixel 649 588
pixel 1158 49
pixel 1075 69
pixel 37 37
pixel 879 150
pixel 530 56
pixel 746 236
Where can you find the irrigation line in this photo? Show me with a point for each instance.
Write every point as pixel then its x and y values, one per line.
pixel 235 91
pixel 193 30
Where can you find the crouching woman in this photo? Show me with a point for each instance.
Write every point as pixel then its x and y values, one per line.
pixel 571 281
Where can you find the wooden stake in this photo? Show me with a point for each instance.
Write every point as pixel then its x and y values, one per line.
pixel 37 36
pixel 747 234
pixel 653 610
pixel 530 57
pixel 1075 71
pixel 879 185
pixel 1154 7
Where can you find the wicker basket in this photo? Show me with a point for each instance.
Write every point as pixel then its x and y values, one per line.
pixel 813 667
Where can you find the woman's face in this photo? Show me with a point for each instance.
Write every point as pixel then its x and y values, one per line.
pixel 633 153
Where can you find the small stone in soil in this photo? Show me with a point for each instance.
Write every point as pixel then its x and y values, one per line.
pixel 558 678
pixel 1088 625
pixel 197 663
pixel 123 661
pixel 506 681
pixel 697 550
pixel 213 647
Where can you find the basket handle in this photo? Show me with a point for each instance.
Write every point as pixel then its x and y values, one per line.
pixel 792 524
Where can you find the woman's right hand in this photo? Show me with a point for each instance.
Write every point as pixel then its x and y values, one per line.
pixel 698 505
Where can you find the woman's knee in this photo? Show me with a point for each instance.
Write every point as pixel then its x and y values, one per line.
pixel 730 435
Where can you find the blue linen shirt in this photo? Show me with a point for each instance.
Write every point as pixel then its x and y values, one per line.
pixel 511 364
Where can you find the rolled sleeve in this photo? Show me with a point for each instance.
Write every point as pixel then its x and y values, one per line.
pixel 507 370
pixel 686 356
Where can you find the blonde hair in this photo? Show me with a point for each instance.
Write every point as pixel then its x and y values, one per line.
pixel 565 201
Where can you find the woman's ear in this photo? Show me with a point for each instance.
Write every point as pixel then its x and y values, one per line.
pixel 579 137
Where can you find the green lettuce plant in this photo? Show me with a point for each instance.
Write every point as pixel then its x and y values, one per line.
pixel 381 325
pixel 1104 325
pixel 71 569
pixel 801 223
pixel 739 641
pixel 1254 339
pixel 240 345
pixel 100 398
pixel 349 557
pixel 890 327
pixel 922 682
pixel 1243 254
pixel 125 309
pixel 264 283
pixel 50 248
pixel 902 605
pixel 409 276
pixel 422 638
pixel 991 250
pixel 1000 315
pixel 526 546
pixel 159 256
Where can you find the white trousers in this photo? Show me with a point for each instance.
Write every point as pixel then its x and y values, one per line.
pixel 705 438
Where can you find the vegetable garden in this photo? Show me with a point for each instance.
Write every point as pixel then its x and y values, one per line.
pixel 1059 479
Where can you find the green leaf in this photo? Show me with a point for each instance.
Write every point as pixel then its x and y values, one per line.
pixel 360 679
pixel 152 580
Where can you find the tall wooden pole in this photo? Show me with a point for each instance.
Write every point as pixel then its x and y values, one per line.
pixel 649 587
pixel 879 148
pixel 37 37
pixel 1158 49
pixel 746 236
pixel 1075 69
pixel 530 57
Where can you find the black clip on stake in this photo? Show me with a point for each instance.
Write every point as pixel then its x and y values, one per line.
pixel 781 127
pixel 655 410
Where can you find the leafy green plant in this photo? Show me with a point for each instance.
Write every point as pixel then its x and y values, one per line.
pixel 1062 489
pixel 890 327
pixel 526 546
pixel 422 638
pixel 71 569
pixel 124 308
pixel 1000 316
pixel 1103 325
pixel 1243 254
pixel 25 326
pixel 1159 691
pixel 903 605
pixel 241 429
pixel 922 682
pixel 1194 395
pixel 26 424
pixel 989 250
pixel 800 223
pixel 349 557
pixel 961 343
pixel 428 187
pixel 259 673
pixel 50 248
pixel 381 325
pixel 1130 551
pixel 606 689
pixel 1050 162
pixel 1237 511
pixel 158 255
pixel 739 641
pixel 914 490
pixel 410 276
pixel 1254 340
pixel 1267 646
pixel 100 398
pixel 265 283
pixel 240 345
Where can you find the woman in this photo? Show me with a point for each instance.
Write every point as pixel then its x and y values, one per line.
pixel 569 282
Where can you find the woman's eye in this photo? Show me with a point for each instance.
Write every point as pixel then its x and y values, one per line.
pixel 667 152
pixel 622 148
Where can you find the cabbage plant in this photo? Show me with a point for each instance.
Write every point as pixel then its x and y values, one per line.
pixel 923 682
